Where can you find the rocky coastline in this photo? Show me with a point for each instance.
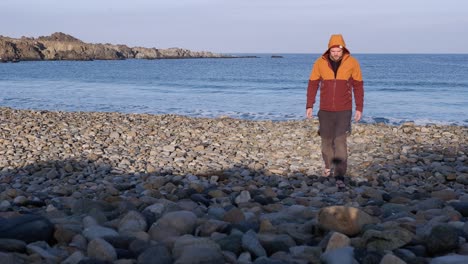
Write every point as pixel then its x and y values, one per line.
pixel 90 187
pixel 60 46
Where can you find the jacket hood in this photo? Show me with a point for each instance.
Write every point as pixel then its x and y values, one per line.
pixel 336 40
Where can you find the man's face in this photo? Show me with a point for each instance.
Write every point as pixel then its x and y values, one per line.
pixel 336 53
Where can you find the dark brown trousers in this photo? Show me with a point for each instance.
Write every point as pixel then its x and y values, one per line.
pixel 334 128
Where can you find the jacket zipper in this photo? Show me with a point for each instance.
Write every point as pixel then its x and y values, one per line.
pixel 334 82
pixel 334 92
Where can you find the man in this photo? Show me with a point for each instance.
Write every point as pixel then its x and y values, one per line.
pixel 339 76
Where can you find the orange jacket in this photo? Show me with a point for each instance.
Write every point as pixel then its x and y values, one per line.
pixel 336 93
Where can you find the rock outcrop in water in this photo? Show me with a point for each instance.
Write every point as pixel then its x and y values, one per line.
pixel 60 46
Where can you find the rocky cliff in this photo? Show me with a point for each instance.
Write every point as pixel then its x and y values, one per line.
pixel 60 46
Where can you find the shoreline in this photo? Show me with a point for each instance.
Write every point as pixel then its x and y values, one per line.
pixel 403 122
pixel 239 189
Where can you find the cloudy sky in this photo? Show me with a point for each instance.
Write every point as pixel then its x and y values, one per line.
pixel 248 26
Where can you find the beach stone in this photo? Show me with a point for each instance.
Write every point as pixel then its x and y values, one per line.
pixel 405 254
pixel 79 241
pixel 100 249
pixel 89 221
pixel 243 197
pixel 20 200
pixel 344 255
pixel 431 203
pixel 285 257
pixel 462 178
pixel 10 258
pixel 216 212
pixel 308 253
pixel 273 243
pixel 96 231
pixel 12 245
pixel 266 260
pixel 364 256
pixel 28 228
pixel 172 225
pixel 452 259
pixel 391 259
pixel 442 239
pixel 155 254
pixel 88 206
pixel 43 250
pixel 132 222
pixel 244 257
pixel 293 214
pixel 5 206
pixel 210 226
pixel 229 257
pixel 200 198
pixel 337 240
pixel 216 193
pixel 74 258
pixel 64 233
pixel 231 243
pixel 461 207
pixel 234 216
pixel 445 195
pixel 189 249
pixel 153 212
pixel 393 210
pixel 346 220
pixel 386 239
pixel 250 243
pixel 463 249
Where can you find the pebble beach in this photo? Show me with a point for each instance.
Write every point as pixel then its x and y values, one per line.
pixel 94 187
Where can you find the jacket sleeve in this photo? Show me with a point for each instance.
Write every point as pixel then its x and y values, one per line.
pixel 358 87
pixel 312 87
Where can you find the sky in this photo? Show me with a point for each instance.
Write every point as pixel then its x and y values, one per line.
pixel 248 26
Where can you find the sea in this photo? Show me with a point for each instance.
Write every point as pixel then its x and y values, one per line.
pixel 422 88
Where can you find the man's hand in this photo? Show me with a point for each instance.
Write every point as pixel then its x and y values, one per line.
pixel 309 113
pixel 357 116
